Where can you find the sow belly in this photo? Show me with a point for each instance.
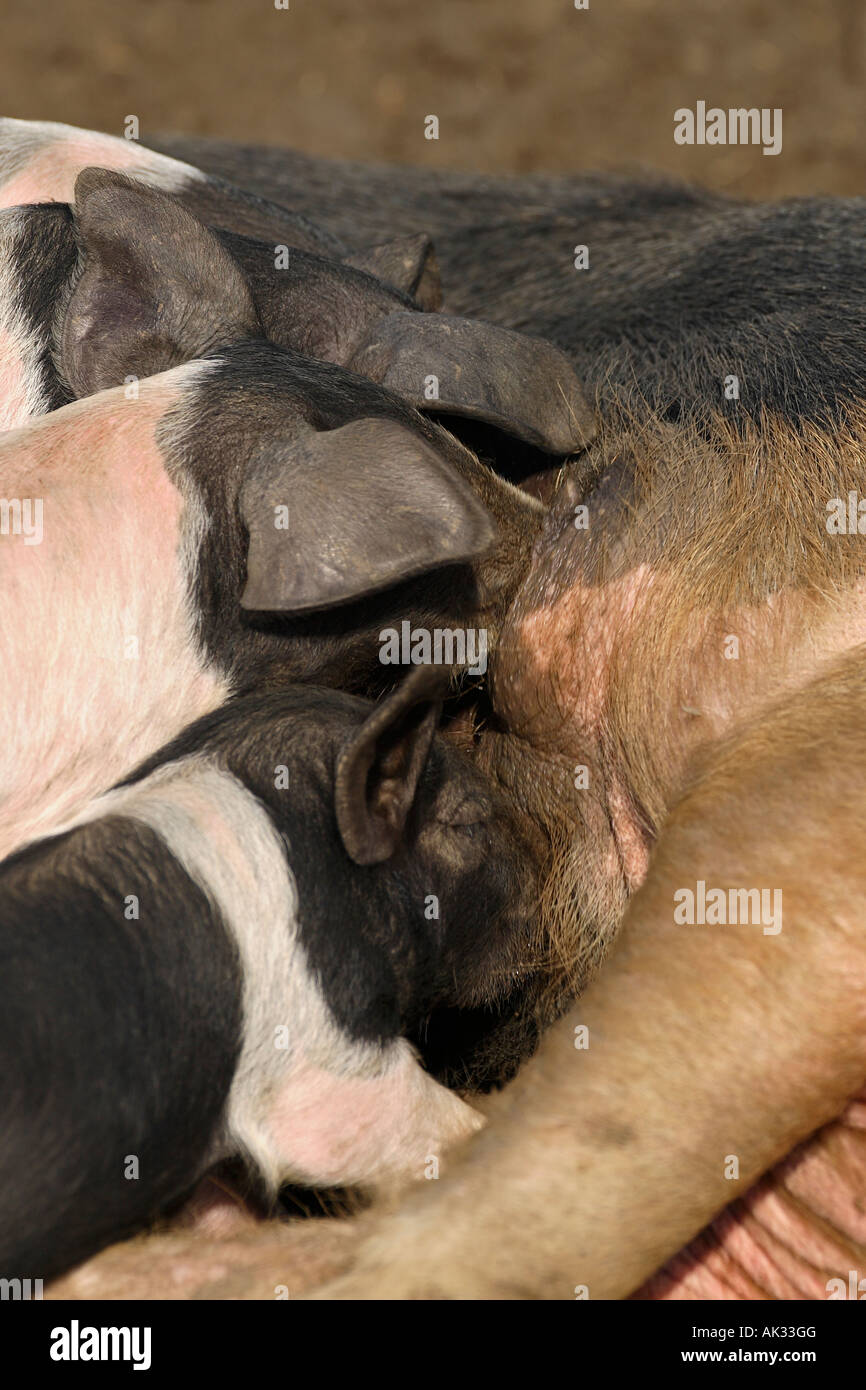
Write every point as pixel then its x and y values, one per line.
pixel 800 1233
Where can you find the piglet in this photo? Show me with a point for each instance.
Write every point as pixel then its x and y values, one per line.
pixel 133 270
pixel 223 956
pixel 237 523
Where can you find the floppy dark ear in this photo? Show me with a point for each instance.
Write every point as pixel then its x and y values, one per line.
pixel 525 386
pixel 379 769
pixel 346 512
pixel 320 308
pixel 409 263
pixel 157 287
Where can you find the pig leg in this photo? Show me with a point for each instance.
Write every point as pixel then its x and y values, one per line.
pixel 268 1260
pixel 707 1043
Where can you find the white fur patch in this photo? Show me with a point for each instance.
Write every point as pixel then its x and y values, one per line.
pixel 22 389
pixel 307 1103
pixel 40 161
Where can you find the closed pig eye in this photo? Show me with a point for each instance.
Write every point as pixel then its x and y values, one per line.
pixel 471 813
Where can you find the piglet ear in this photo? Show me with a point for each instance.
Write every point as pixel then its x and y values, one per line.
pixel 525 386
pixel 379 769
pixel 157 287
pixel 407 262
pixel 347 512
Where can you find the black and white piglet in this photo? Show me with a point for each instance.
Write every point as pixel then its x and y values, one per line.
pixel 224 955
pixel 247 520
pixel 130 283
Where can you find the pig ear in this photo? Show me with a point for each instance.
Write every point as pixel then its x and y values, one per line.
pixel 525 386
pixel 379 769
pixel 157 287
pixel 347 512
pixel 409 263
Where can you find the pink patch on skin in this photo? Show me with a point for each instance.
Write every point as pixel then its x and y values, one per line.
pixel 215 1210
pixel 854 1115
pixel 552 670
pixel 568 644
pixel 551 680
pixel 51 173
pixel 15 388
pixel 338 1130
pixel 627 832
pixel 79 705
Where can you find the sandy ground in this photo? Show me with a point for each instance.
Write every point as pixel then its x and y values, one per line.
pixel 516 84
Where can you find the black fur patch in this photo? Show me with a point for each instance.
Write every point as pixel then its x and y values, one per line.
pixel 121 1038
pixel 44 256
pixel 381 965
pixel 260 393
pixel 685 287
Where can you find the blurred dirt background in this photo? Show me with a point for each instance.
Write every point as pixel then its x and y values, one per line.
pixel 516 84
